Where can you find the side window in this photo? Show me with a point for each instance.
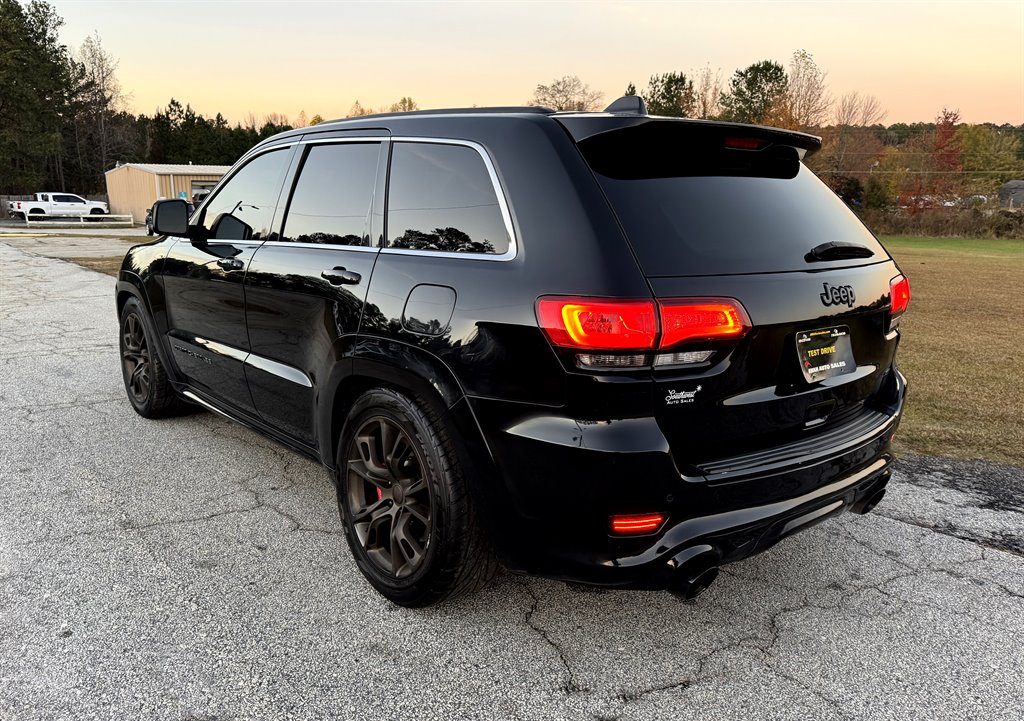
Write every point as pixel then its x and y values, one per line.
pixel 244 207
pixel 67 199
pixel 441 198
pixel 332 197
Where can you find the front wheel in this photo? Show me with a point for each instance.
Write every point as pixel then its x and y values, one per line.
pixel 97 211
pixel 145 379
pixel 405 507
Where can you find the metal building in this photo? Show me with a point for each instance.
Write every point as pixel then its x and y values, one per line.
pixel 134 187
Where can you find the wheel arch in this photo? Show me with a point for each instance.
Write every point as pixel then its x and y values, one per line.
pixel 375 363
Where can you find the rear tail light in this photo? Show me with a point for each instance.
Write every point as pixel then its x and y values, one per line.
pixel 612 326
pixel 899 295
pixel 599 324
pixel 637 525
pixel 701 319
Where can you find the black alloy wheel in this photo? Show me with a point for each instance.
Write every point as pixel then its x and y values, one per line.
pixel 145 379
pixel 135 359
pixel 390 497
pixel 405 504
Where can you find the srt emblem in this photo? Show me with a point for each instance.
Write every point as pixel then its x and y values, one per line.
pixel 834 295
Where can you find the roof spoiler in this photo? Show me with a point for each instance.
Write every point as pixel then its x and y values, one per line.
pixel 588 125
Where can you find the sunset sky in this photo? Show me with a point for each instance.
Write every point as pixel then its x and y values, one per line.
pixel 283 57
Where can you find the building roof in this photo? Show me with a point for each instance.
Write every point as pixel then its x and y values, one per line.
pixel 173 169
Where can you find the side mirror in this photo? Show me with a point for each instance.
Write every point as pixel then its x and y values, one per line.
pixel 170 217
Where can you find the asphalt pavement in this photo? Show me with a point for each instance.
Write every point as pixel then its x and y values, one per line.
pixel 188 569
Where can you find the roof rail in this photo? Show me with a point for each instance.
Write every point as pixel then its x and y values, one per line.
pixel 531 109
pixel 631 104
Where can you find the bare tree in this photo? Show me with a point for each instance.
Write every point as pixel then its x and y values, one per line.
pixel 806 101
pixel 567 93
pixel 357 110
pixel 301 121
pixel 858 110
pixel 276 119
pixel 404 105
pixel 100 96
pixel 707 88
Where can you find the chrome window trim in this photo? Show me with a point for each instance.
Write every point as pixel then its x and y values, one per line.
pixel 325 246
pixel 506 214
pixel 354 139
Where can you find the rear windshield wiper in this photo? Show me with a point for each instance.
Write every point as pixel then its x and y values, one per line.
pixel 838 250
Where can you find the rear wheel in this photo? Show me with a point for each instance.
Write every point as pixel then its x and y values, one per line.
pixel 145 379
pixel 405 507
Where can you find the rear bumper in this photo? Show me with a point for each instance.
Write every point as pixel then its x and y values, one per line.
pixel 565 478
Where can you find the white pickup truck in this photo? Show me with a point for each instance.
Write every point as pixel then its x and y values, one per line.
pixel 57 205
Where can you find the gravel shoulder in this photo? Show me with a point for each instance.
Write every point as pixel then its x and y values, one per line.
pixel 189 569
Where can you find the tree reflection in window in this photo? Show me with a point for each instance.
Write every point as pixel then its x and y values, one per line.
pixel 441 198
pixel 445 240
pixel 331 202
pixel 331 239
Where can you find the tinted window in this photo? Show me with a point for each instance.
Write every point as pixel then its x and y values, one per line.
pixel 690 205
pixel 67 199
pixel 441 198
pixel 332 198
pixel 243 207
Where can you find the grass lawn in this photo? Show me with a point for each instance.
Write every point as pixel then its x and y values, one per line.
pixel 962 347
pixel 107 264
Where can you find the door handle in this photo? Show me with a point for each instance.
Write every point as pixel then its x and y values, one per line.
pixel 340 276
pixel 230 264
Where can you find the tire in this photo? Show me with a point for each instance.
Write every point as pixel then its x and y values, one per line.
pixel 145 379
pixel 405 507
pixel 97 211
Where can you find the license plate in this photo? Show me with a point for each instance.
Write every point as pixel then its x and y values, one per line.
pixel 825 353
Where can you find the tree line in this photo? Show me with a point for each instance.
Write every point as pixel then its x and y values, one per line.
pixel 63 122
pixel 941 163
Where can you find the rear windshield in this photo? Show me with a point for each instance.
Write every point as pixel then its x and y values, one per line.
pixel 689 210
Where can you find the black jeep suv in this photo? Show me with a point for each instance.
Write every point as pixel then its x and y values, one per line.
pixel 603 347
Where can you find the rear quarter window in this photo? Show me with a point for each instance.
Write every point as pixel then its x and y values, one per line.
pixel 441 199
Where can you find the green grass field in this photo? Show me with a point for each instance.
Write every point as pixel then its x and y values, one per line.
pixel 962 347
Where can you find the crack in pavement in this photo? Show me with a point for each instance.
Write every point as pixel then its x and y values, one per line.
pixel 571 686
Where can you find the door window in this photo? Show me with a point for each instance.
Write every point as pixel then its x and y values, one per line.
pixel 68 199
pixel 441 199
pixel 243 207
pixel 332 197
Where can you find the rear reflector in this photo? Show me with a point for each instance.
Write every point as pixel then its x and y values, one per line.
pixel 899 294
pixel 602 324
pixel 636 525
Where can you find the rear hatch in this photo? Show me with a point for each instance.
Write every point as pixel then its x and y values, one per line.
pixel 715 211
